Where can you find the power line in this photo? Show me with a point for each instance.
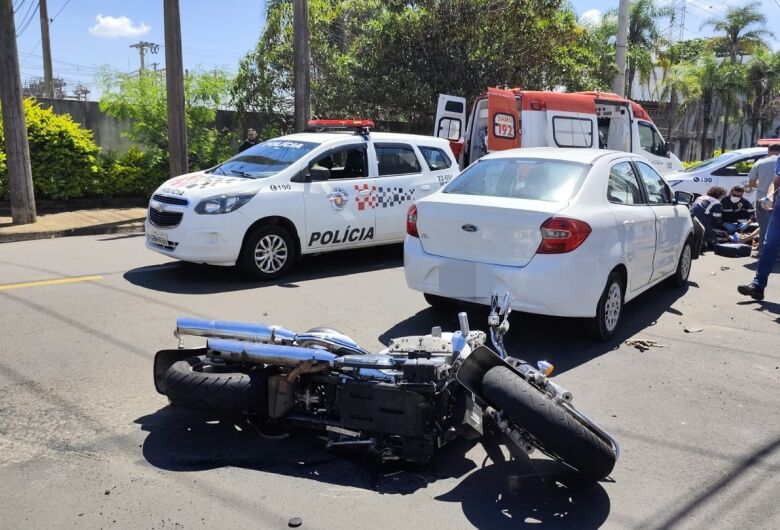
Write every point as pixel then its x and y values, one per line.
pixel 60 11
pixel 27 19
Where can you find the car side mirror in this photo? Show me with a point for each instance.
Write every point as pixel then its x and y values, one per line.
pixel 683 197
pixel 317 174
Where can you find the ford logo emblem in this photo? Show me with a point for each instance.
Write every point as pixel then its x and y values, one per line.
pixel 469 228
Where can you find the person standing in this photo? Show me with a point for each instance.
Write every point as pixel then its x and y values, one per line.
pixel 761 175
pixel 766 262
pixel 251 139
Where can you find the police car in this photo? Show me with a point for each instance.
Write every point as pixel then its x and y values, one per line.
pixel 299 194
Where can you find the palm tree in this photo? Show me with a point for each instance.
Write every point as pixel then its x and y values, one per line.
pixel 707 78
pixel 681 86
pixel 742 33
pixel 763 77
pixel 644 39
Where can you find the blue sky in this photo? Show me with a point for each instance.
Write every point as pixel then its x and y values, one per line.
pixel 89 33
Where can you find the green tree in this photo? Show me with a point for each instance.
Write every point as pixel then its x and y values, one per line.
pixel 681 86
pixel 742 32
pixel 143 101
pixel 763 78
pixel 707 76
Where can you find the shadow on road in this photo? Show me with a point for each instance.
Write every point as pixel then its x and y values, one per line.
pixel 565 342
pixel 189 278
pixel 497 493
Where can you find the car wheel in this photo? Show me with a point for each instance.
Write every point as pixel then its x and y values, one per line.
pixel 609 309
pixel 680 276
pixel 268 253
pixel 439 302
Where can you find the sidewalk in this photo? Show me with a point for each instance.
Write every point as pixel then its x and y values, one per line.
pixel 78 223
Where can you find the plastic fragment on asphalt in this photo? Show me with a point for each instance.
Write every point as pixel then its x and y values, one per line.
pixel 692 329
pixel 295 522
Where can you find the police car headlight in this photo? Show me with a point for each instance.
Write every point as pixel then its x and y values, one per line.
pixel 222 204
pixel 674 182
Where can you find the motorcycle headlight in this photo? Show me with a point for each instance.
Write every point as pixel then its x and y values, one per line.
pixel 222 204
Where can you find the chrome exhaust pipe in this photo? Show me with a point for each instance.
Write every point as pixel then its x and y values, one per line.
pixel 232 330
pixel 259 353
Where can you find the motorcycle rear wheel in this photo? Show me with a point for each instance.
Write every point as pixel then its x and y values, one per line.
pixel 549 423
pixel 196 384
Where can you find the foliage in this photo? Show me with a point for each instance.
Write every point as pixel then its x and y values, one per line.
pixel 390 59
pixel 63 156
pixel 741 30
pixel 134 174
pixel 141 99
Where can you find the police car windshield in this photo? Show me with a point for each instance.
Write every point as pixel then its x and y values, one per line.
pixel 265 159
pixel 710 162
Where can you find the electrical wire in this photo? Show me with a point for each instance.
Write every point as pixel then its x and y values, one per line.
pixel 60 11
pixel 27 19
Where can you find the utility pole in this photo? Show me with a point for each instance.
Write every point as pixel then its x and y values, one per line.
pixel 20 185
pixel 142 47
pixel 619 84
pixel 174 81
pixel 301 63
pixel 48 76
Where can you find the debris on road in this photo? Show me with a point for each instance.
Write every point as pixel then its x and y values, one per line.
pixel 643 345
pixel 692 329
pixel 295 522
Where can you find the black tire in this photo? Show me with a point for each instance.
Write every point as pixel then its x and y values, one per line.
pixel 439 302
pixel 221 390
pixel 554 427
pixel 609 309
pixel 680 276
pixel 253 244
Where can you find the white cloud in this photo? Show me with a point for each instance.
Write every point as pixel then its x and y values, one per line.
pixel 591 17
pixel 109 27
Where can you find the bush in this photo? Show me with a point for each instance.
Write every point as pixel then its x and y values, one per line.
pixel 133 174
pixel 63 156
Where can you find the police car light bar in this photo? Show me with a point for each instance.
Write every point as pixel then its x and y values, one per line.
pixel 341 123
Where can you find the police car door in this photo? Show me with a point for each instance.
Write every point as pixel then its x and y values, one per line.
pixel 400 181
pixel 339 212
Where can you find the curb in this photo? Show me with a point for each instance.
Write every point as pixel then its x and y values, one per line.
pixel 121 227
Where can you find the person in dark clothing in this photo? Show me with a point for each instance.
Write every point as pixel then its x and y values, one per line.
pixel 736 210
pixel 708 210
pixel 251 139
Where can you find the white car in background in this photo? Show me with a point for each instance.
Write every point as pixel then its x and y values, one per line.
pixel 726 170
pixel 299 194
pixel 567 232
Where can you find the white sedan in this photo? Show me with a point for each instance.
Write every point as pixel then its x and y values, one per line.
pixel 567 232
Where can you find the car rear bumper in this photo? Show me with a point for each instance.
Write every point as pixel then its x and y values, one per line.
pixel 566 285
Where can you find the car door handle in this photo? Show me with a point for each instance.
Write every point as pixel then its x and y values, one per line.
pixel 425 187
pixel 363 193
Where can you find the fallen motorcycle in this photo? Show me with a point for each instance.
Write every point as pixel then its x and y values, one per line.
pixel 402 403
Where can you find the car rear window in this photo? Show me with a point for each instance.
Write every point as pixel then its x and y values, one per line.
pixel 435 158
pixel 521 178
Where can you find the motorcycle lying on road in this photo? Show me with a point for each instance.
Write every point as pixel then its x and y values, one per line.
pixel 402 403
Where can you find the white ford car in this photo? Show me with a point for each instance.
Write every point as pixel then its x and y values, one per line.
pixel 567 232
pixel 299 194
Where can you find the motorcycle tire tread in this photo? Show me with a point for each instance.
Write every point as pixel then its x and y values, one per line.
pixel 234 391
pixel 548 422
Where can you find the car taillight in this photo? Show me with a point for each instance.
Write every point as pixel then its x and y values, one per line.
pixel 561 235
pixel 411 221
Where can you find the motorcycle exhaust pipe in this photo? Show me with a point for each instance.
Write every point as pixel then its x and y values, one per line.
pixel 232 330
pixel 259 353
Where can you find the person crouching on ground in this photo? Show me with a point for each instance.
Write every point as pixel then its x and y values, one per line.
pixel 708 210
pixel 737 210
pixel 771 245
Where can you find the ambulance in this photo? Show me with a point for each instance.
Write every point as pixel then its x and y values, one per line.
pixel 507 119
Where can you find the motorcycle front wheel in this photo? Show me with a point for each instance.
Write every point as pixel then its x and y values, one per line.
pixel 198 384
pixel 548 422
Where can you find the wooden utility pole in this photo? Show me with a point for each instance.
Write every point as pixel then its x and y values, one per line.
pixel 48 76
pixel 20 185
pixel 174 81
pixel 301 63
pixel 619 84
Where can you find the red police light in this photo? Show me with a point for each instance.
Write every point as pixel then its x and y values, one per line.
pixel 341 123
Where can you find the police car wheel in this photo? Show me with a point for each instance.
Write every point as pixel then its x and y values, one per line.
pixel 609 309
pixel 268 253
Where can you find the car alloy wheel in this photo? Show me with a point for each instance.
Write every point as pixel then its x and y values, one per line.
pixel 271 253
pixel 612 307
pixel 685 262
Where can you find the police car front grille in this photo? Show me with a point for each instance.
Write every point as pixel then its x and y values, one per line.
pixel 178 201
pixel 164 219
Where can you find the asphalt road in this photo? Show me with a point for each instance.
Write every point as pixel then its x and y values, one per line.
pixel 86 441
